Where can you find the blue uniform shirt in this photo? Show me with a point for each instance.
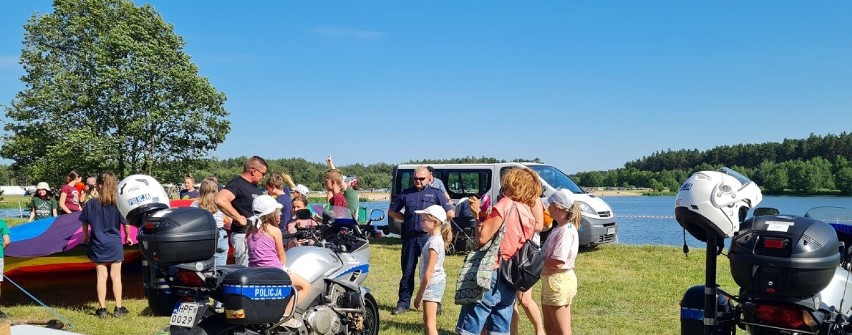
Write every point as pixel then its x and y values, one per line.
pixel 411 199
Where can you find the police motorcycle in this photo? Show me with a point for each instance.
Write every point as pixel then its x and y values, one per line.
pixel 182 280
pixel 792 271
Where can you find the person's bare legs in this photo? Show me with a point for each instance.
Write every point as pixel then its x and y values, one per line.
pixel 101 270
pixel 115 276
pixel 430 318
pixel 557 319
pixel 563 319
pixel 303 288
pixel 525 299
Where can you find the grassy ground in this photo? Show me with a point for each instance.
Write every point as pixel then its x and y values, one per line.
pixel 15 201
pixel 622 290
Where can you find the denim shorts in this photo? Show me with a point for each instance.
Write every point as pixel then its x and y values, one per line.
pixel 434 291
pixel 493 312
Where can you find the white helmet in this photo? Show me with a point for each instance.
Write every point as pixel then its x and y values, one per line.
pixel 139 195
pixel 715 202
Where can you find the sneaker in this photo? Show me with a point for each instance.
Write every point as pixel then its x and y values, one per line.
pixel 399 310
pixel 294 323
pixel 102 313
pixel 120 311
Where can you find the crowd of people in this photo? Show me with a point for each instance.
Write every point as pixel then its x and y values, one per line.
pixel 253 225
pixel 426 211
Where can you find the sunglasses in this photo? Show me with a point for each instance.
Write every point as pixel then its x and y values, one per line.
pixel 262 174
pixel 420 178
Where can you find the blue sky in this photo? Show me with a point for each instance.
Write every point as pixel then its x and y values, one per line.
pixel 582 85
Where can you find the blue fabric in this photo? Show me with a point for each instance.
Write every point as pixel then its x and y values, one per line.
pixel 184 194
pixel 493 312
pixel 411 199
pixel 286 211
pixel 105 224
pixel 221 255
pixel 411 249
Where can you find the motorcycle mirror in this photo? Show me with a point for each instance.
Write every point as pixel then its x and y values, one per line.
pixel 377 215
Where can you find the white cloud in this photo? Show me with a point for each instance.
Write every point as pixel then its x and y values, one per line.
pixel 332 31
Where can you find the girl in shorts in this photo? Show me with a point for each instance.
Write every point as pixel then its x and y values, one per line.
pixel 102 226
pixel 558 281
pixel 433 280
pixel 266 248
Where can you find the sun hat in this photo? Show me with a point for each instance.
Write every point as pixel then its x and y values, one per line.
pixel 302 189
pixel 562 198
pixel 43 186
pixel 434 210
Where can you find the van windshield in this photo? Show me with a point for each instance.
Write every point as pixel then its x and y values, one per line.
pixel 556 178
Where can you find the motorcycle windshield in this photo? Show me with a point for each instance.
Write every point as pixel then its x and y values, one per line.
pixel 831 214
pixel 338 215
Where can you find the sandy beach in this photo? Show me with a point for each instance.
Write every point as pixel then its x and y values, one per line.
pixel 374 196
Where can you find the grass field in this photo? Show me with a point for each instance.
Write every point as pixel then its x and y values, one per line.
pixel 622 290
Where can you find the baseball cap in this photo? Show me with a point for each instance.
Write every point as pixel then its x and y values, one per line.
pixel 42 186
pixel 563 198
pixel 265 204
pixel 434 210
pixel 302 189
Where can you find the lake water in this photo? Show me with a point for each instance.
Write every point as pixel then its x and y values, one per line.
pixel 647 220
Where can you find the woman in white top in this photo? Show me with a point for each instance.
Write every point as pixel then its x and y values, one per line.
pixel 558 281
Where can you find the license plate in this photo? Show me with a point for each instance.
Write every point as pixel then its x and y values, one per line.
pixel 184 315
pixel 610 231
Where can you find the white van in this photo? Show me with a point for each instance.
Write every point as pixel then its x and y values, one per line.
pixel 464 180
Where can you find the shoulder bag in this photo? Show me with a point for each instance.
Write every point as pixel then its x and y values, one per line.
pixel 475 275
pixel 523 269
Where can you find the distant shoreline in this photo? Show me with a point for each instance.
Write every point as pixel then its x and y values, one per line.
pixel 618 193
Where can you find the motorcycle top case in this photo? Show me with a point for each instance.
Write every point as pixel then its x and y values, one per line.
pixel 178 235
pixel 256 295
pixel 784 255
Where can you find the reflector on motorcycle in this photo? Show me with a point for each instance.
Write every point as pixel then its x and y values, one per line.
pixel 784 316
pixel 774 243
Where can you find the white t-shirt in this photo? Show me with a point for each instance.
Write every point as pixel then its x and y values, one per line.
pixel 563 245
pixel 436 242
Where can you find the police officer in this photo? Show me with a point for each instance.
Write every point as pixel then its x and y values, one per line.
pixel 413 236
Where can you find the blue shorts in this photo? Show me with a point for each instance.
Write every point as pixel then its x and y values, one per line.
pixel 434 291
pixel 494 311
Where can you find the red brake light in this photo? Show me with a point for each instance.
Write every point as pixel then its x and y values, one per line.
pixel 781 316
pixel 774 243
pixel 190 278
pixel 149 226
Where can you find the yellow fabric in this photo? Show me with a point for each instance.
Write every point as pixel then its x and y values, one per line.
pixel 558 289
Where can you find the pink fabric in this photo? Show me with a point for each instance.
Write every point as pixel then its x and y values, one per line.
pixel 562 245
pixel 519 226
pixel 72 197
pixel 262 250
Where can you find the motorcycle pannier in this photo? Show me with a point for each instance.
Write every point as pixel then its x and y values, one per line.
pixel 178 235
pixel 784 255
pixel 256 295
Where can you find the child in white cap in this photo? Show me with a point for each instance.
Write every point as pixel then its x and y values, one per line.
pixel 266 248
pixel 559 283
pixel 433 279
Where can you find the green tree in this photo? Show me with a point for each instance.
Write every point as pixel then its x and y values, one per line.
pixel 108 86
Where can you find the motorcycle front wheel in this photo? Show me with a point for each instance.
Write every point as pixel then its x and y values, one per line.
pixel 371 317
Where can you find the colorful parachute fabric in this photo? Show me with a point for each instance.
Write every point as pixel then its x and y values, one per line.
pixel 49 236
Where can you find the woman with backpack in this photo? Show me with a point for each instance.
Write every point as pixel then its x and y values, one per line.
pixel 521 188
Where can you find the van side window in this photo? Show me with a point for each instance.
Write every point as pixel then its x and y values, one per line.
pixel 404 180
pixel 466 183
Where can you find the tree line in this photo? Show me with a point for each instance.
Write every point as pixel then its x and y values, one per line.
pixel 815 165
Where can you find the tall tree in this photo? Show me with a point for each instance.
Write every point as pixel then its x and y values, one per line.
pixel 109 86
